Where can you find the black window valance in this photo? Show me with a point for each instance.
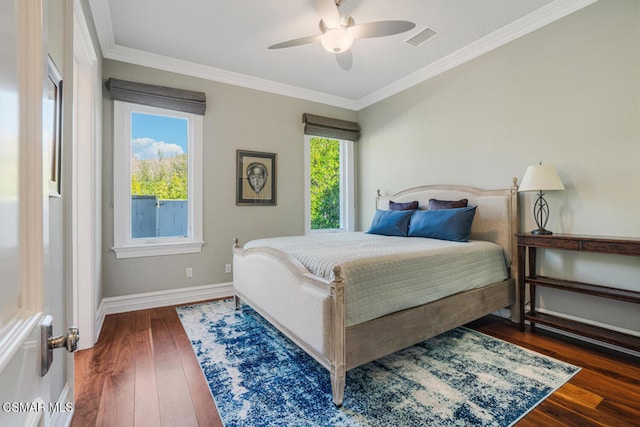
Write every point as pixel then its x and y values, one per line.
pixel 330 128
pixel 187 101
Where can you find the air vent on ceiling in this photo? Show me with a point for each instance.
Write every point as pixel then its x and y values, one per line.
pixel 420 38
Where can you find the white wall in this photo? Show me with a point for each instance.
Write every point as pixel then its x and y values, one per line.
pixel 567 94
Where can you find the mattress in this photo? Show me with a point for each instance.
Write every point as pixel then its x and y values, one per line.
pixel 385 274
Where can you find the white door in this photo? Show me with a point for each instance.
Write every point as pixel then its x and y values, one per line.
pixel 85 200
pixel 25 298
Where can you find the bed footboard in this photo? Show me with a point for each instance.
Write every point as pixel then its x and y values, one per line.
pixel 308 310
pixel 280 289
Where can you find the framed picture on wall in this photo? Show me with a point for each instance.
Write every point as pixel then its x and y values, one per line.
pixel 256 178
pixel 52 125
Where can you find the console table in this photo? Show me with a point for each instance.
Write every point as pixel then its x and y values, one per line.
pixel 581 243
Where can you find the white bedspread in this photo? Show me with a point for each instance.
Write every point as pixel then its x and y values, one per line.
pixel 384 274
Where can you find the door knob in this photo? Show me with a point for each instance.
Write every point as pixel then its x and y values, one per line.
pixel 69 340
pixel 48 343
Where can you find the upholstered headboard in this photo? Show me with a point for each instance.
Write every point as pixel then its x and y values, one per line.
pixel 496 218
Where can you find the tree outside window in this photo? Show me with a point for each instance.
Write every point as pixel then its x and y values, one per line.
pixel 325 183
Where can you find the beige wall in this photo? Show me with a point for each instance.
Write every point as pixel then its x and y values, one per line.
pixel 567 94
pixel 236 118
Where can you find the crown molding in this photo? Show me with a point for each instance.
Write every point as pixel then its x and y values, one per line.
pixel 535 20
pixel 152 60
pixel 102 21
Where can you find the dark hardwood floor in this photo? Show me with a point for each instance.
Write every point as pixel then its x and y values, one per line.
pixel 606 391
pixel 143 372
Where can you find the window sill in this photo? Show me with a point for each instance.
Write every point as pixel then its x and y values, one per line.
pixel 157 249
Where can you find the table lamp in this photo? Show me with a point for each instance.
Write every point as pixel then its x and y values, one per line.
pixel 541 178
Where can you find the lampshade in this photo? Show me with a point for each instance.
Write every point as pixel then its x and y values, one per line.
pixel 337 40
pixel 541 178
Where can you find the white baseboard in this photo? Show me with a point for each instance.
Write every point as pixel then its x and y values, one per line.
pixel 589 322
pixel 61 417
pixel 587 339
pixel 126 303
pixel 506 314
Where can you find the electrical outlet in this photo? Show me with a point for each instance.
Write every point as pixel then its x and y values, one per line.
pixel 189 272
pixel 227 268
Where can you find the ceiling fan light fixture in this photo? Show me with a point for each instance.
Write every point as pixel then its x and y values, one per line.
pixel 337 40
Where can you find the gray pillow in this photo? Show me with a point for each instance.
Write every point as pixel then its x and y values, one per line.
pixel 435 204
pixel 406 206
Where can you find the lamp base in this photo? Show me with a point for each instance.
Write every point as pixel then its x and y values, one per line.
pixel 543 231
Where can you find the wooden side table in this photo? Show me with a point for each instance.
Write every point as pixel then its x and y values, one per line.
pixel 527 245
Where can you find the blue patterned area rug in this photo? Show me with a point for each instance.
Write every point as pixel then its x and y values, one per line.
pixel 258 377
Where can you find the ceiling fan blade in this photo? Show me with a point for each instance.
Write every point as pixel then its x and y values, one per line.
pixel 296 42
pixel 329 13
pixel 380 29
pixel 345 59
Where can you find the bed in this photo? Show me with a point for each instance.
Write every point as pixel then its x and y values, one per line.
pixel 323 313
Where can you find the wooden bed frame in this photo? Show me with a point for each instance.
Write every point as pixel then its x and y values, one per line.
pixel 311 310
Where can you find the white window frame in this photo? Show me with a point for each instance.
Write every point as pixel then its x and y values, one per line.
pixel 124 245
pixel 347 186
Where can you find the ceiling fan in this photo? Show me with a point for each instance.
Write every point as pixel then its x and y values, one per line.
pixel 339 31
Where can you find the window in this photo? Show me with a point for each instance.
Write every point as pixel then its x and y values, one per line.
pixel 329 192
pixel 157 181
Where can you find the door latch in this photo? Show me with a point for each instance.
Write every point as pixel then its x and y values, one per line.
pixel 49 342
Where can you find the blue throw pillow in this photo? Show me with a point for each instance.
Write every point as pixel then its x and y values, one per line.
pixel 443 224
pixel 390 223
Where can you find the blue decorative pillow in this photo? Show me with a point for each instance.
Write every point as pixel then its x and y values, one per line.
pixel 443 224
pixel 390 223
